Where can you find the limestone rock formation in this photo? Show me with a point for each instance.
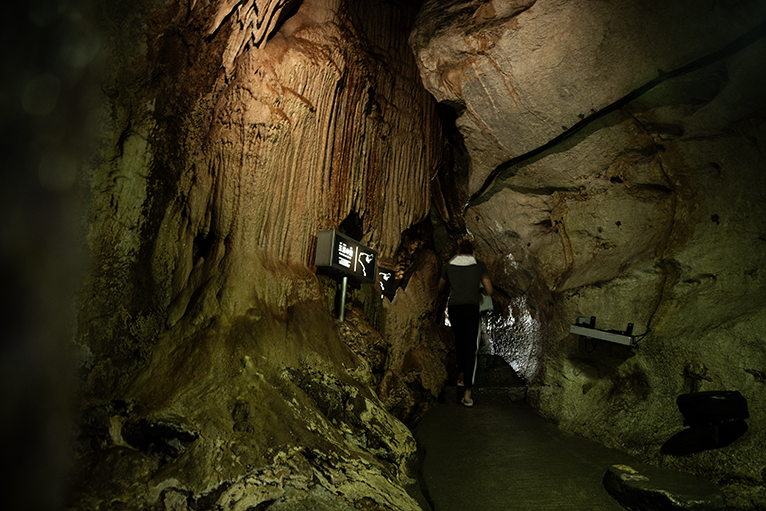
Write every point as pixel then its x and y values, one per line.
pixel 649 488
pixel 214 373
pixel 415 370
pixel 653 214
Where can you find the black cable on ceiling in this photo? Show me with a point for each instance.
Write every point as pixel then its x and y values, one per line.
pixel 738 44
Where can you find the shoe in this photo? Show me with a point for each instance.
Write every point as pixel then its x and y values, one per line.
pixel 465 402
pixel 460 383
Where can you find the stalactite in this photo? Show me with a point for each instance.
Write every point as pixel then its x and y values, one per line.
pixel 353 125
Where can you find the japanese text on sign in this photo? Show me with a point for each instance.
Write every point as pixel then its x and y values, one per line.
pixel 340 252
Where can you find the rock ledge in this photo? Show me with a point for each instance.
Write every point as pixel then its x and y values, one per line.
pixel 655 489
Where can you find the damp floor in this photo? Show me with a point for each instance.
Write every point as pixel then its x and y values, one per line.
pixel 505 457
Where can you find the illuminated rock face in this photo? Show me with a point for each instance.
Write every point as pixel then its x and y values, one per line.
pixel 214 373
pixel 653 214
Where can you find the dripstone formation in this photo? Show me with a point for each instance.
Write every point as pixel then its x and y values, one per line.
pixel 214 373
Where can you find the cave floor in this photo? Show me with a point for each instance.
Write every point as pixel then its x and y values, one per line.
pixel 506 457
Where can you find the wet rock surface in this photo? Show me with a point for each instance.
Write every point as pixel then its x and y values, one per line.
pixel 496 383
pixel 640 217
pixel 504 456
pixel 238 418
pixel 645 488
pixel 213 372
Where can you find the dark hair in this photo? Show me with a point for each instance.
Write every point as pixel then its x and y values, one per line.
pixel 465 247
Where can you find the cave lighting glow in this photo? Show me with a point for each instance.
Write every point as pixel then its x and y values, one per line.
pixel 516 336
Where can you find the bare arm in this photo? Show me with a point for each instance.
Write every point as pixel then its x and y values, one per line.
pixel 487 285
pixel 442 285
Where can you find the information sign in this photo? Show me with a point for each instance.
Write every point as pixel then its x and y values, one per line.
pixel 337 251
pixel 387 281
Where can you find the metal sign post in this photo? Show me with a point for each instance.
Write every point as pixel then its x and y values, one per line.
pixel 343 299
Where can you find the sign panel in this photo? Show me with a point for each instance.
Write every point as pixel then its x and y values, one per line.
pixel 337 251
pixel 387 281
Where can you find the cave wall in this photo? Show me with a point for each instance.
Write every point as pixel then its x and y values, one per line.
pixel 652 214
pixel 213 370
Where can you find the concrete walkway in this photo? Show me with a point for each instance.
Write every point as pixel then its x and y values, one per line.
pixel 505 457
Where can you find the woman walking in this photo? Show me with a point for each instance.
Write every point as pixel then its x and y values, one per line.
pixel 466 278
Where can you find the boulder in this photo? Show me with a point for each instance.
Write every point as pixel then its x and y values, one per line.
pixel 645 488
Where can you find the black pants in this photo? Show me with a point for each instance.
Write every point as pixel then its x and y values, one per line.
pixel 465 324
